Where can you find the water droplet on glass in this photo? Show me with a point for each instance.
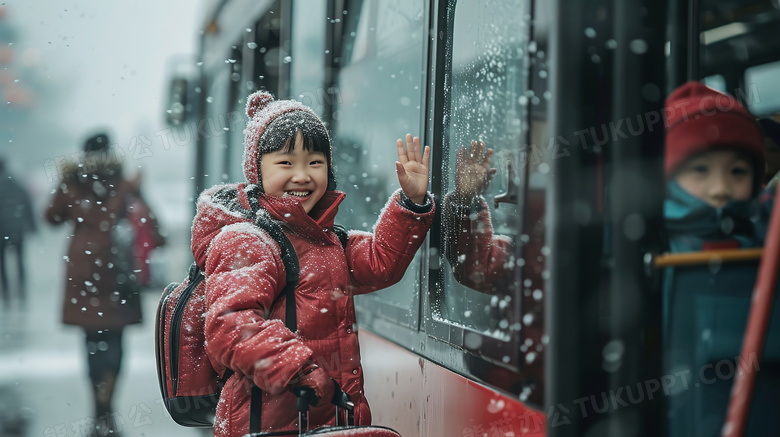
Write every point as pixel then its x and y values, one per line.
pixel 634 227
pixel 472 340
pixel 613 351
pixel 638 46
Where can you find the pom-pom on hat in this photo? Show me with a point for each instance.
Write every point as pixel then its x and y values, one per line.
pixel 271 123
pixel 699 118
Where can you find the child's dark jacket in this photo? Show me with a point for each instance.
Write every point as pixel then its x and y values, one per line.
pixel 705 312
pixel 244 323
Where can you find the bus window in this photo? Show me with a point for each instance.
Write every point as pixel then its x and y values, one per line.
pixel 236 116
pixel 717 82
pixel 761 82
pixel 378 100
pixel 268 56
pixel 357 37
pixel 490 100
pixel 307 67
pixel 216 142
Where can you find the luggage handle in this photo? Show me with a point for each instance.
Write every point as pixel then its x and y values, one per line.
pixel 307 398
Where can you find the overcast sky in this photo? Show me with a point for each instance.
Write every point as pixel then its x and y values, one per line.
pixel 111 56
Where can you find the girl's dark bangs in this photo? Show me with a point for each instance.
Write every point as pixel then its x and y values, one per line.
pixel 313 140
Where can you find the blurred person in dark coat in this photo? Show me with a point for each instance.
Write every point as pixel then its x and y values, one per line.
pixel 16 219
pixel 99 296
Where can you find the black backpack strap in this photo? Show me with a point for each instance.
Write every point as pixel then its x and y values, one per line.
pixel 341 232
pixel 255 409
pixel 265 222
pixel 194 272
pixel 291 267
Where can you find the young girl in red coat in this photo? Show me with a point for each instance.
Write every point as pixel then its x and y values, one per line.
pixel 288 168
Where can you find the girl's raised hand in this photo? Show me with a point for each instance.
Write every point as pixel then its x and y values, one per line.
pixel 412 168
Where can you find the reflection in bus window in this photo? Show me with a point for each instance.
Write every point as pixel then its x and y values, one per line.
pixel 489 102
pixel 378 101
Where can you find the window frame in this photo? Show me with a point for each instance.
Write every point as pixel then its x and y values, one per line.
pixel 491 350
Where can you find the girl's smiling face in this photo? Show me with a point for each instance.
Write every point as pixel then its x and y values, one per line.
pixel 296 174
pixel 717 177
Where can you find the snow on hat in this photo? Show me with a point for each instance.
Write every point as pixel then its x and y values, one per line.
pixel 271 123
pixel 699 118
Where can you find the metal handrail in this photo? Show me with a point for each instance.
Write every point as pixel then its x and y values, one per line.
pixel 707 257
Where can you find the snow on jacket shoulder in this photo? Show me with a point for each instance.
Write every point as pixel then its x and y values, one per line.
pixel 244 278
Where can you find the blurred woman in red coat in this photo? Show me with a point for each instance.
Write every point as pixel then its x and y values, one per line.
pixel 101 294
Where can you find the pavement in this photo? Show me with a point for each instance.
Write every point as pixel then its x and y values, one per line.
pixel 44 388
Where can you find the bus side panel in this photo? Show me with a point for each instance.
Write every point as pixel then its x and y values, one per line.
pixel 419 398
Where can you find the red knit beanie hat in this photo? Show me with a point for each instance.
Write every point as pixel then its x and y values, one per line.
pixel 699 118
pixel 271 122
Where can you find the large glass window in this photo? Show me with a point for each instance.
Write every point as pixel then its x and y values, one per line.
pixel 236 115
pixel 380 90
pixel 763 89
pixel 489 102
pixel 307 69
pixel 216 141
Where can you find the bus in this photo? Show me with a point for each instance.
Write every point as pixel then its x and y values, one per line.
pixel 570 97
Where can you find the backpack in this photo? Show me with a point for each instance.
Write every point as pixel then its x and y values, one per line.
pixel 189 384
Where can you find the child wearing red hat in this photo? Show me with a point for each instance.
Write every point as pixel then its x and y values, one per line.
pixel 714 164
pixel 714 146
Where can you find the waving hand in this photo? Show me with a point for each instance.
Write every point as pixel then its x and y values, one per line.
pixel 412 168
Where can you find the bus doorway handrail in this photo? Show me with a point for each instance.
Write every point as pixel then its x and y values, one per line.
pixel 755 333
pixel 707 256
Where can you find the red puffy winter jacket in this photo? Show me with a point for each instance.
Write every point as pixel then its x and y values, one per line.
pixel 244 324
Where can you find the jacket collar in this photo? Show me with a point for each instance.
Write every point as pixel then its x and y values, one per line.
pixel 292 216
pixel 690 216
